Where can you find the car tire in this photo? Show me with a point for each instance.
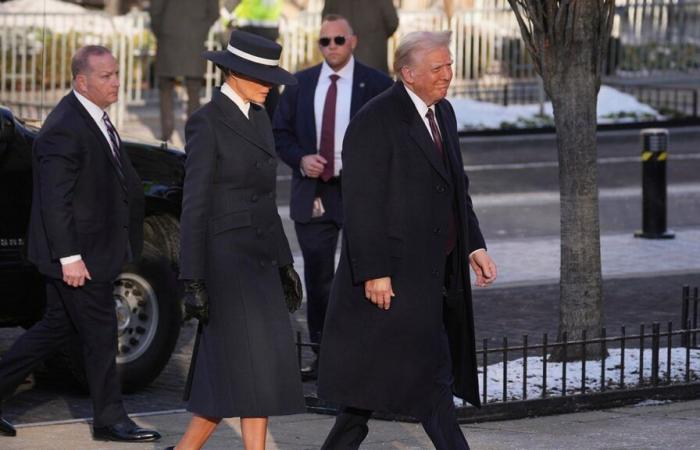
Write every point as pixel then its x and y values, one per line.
pixel 149 316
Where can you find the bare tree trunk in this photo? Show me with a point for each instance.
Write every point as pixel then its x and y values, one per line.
pixel 568 40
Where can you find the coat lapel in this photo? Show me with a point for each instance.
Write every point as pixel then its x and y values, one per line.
pixel 98 134
pixel 307 93
pixel 233 118
pixel 358 89
pixel 418 131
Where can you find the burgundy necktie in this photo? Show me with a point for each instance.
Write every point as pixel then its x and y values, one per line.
pixel 327 144
pixel 452 224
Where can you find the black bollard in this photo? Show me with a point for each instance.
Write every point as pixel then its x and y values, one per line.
pixel 654 151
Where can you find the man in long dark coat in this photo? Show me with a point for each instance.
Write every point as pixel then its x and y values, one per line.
pixel 399 331
pixel 181 28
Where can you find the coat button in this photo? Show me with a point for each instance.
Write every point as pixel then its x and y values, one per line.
pixel 440 188
pixel 271 161
pixel 436 272
pixel 254 198
pixel 436 230
pixel 273 262
pixel 257 164
pixel 270 195
pixel 262 263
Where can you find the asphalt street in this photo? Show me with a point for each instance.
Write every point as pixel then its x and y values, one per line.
pixel 515 192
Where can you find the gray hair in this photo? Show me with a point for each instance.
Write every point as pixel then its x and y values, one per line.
pixel 80 64
pixel 416 42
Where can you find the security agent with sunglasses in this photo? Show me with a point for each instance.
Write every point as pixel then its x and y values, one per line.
pixel 309 126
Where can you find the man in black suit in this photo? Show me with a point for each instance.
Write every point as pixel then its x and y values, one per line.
pixel 399 333
pixel 86 222
pixel 309 126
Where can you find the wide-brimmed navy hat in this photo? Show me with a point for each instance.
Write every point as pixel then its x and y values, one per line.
pixel 252 56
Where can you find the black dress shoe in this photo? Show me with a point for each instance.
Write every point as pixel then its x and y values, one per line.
pixel 170 448
pixel 6 428
pixel 126 431
pixel 310 372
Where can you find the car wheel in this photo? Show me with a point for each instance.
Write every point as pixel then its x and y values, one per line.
pixel 149 316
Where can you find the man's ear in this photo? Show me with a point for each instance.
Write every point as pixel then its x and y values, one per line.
pixel 353 41
pixel 80 83
pixel 407 74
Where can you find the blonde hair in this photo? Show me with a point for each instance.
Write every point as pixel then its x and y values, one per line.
pixel 416 42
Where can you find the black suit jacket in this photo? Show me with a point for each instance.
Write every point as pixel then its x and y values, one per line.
pixel 295 131
pixel 79 204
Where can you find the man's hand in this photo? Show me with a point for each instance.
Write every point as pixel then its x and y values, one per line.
pixel 313 165
pixel 484 268
pixel 379 292
pixel 75 273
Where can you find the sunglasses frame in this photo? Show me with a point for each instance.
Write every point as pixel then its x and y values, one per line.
pixel 335 39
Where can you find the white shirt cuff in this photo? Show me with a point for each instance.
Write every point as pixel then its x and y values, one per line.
pixel 477 250
pixel 70 259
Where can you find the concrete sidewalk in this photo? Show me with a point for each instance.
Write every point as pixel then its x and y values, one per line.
pixel 651 425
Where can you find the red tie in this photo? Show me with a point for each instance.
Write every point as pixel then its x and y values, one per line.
pixel 327 145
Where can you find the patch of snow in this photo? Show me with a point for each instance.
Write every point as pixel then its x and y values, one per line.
pixel 574 375
pixel 651 403
pixel 613 106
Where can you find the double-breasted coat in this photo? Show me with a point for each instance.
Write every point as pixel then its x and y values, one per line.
pixel 232 238
pixel 181 28
pixel 397 198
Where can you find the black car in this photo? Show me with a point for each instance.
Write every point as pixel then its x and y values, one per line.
pixel 147 295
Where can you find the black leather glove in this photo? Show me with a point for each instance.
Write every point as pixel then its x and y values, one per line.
pixel 291 285
pixel 196 301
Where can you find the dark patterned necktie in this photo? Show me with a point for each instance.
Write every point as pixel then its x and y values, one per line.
pixel 327 142
pixel 115 146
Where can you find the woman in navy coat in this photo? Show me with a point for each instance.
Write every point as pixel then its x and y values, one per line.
pixel 232 248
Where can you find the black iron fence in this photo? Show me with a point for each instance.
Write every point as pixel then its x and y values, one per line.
pixel 689 315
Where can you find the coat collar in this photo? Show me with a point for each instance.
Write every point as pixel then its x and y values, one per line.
pixel 234 119
pixel 417 129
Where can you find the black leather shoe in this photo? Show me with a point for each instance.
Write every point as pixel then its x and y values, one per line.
pixel 170 448
pixel 6 428
pixel 310 372
pixel 126 431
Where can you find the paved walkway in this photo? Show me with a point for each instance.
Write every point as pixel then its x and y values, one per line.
pixel 654 426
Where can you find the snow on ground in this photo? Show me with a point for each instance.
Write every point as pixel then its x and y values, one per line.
pixel 514 384
pixel 613 107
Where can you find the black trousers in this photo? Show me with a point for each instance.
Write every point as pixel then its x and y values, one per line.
pixel 318 240
pixel 89 312
pixel 440 423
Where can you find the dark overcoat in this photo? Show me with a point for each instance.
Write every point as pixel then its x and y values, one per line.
pixel 232 237
pixel 181 28
pixel 397 196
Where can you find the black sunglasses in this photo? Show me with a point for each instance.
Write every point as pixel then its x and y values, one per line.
pixel 326 41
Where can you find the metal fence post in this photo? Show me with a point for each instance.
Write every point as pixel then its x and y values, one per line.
pixel 685 300
pixel 655 354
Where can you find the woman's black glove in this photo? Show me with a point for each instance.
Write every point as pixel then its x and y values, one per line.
pixel 291 285
pixel 196 301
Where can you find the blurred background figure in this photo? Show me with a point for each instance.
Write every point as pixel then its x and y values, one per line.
pixel 374 21
pixel 181 28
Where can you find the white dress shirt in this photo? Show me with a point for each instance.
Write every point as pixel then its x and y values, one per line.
pixel 422 109
pixel 96 113
pixel 235 98
pixel 342 106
